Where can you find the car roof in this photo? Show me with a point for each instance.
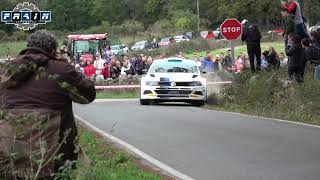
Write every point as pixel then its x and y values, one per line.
pixel 141 41
pixel 189 61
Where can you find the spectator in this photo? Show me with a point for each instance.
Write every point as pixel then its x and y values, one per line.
pixel 115 70
pixel 217 63
pixel 228 61
pixel 197 60
pixel 264 62
pixel 207 63
pixel 158 56
pixel 149 63
pixel 252 37
pixel 222 56
pixel 89 70
pixel 246 60
pixel 283 60
pixel 108 54
pixel 239 64
pixel 106 71
pixel 172 40
pixel 272 58
pixel 313 50
pixel 47 103
pixel 293 8
pixel 181 55
pixel 210 35
pixel 125 58
pixel 305 43
pixel 288 25
pixel 99 63
pixel 79 69
pixel 139 64
pixel 125 70
pixel 296 57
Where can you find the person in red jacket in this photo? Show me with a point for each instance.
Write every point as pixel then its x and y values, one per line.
pixel 89 70
pixel 293 8
pixel 210 35
pixel 106 71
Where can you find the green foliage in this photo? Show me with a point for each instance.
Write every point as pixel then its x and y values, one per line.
pixel 162 27
pixel 184 20
pixel 270 94
pixel 132 27
pixel 106 162
pixel 74 15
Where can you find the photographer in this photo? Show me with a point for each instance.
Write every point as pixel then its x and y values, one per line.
pixel 46 97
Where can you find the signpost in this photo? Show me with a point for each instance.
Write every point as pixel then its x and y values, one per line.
pixel 231 29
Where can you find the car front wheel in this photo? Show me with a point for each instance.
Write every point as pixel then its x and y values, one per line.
pixel 145 101
pixel 198 103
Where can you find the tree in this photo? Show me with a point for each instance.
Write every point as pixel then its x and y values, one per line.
pixel 132 27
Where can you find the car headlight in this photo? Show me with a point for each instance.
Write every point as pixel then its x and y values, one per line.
pixel 152 83
pixel 196 83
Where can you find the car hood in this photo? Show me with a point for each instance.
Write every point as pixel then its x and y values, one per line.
pixel 175 77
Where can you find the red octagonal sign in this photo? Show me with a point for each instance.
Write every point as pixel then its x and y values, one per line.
pixel 231 29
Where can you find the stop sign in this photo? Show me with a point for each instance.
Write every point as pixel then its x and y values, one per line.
pixel 231 29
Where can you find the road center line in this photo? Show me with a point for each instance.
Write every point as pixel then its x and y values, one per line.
pixel 136 151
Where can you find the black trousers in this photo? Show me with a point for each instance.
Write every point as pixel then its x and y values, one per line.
pixel 296 72
pixel 254 52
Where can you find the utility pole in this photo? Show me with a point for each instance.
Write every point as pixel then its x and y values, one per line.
pixel 198 10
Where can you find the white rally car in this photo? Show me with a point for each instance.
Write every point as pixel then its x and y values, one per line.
pixel 173 80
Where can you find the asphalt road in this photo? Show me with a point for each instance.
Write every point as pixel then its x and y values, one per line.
pixel 210 145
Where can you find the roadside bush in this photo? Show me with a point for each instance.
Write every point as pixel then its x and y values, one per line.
pixel 271 94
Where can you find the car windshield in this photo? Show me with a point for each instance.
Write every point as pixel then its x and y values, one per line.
pixel 174 66
pixel 140 43
pixel 86 46
pixel 165 39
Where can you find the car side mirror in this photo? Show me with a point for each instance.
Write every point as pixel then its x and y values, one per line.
pixel 204 72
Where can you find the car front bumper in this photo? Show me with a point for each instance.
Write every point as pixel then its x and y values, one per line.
pixel 173 93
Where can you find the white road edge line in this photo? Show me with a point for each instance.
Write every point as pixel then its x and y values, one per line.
pixel 136 151
pixel 272 119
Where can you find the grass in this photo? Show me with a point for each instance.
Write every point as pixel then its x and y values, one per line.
pixel 279 47
pixel 132 94
pixel 106 162
pixel 270 94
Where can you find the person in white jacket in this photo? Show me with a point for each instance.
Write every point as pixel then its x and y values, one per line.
pixel 99 64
